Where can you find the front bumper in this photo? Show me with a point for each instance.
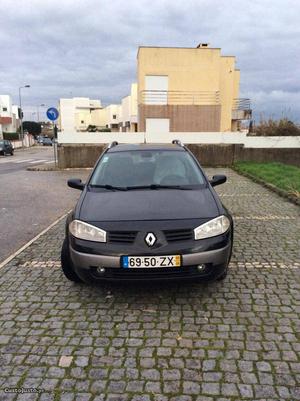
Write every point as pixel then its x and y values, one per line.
pixel 215 262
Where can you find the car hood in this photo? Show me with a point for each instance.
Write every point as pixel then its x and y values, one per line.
pixel 148 205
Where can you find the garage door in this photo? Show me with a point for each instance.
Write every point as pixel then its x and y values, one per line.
pixel 158 125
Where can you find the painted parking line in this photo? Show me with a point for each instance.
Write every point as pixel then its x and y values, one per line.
pixel 2 264
pixel 23 161
pixel 38 161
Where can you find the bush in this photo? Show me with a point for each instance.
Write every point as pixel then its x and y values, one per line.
pixel 11 136
pixel 282 127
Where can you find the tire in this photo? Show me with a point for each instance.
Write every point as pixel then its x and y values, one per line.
pixel 12 153
pixel 66 263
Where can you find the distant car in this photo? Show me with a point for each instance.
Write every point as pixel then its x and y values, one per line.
pixel 47 142
pixel 6 148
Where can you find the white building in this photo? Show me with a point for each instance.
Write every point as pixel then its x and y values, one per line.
pixel 76 114
pixel 9 119
pixel 108 117
pixel 114 113
pixel 129 111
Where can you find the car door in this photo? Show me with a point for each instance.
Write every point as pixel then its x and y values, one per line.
pixel 7 146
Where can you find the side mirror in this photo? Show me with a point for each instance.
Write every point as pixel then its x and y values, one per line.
pixel 217 180
pixel 76 183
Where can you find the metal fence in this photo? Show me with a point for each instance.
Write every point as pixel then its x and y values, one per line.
pixel 159 97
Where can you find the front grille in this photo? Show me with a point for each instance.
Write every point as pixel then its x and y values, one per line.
pixel 124 237
pixel 179 235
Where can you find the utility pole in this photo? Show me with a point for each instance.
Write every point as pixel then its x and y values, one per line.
pixel 38 111
pixel 21 112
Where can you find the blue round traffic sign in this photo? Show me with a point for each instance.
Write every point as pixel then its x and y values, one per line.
pixel 52 113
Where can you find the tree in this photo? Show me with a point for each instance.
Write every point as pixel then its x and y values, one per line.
pixel 32 127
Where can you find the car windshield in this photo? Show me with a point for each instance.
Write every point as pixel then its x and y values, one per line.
pixel 1 143
pixel 147 168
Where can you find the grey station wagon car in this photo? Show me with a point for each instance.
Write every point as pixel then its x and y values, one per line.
pixel 147 212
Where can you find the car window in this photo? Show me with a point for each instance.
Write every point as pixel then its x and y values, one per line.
pixel 147 167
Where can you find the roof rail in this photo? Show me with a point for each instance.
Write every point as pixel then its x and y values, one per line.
pixel 112 144
pixel 177 142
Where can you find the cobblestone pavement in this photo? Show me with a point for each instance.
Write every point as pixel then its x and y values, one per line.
pixel 232 340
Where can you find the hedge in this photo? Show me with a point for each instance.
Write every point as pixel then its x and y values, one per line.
pixel 11 136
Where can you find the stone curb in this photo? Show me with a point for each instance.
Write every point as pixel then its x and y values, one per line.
pixel 42 167
pixel 280 192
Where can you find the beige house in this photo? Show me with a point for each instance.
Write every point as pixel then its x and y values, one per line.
pixel 188 89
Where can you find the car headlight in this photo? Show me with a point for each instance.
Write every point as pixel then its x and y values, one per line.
pixel 82 230
pixel 213 227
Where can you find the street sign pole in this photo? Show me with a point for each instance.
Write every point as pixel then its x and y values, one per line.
pixel 53 114
pixel 54 144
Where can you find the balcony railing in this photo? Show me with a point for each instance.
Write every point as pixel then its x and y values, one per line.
pixel 158 97
pixel 241 109
pixel 241 103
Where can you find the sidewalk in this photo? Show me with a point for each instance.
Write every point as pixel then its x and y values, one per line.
pixel 232 340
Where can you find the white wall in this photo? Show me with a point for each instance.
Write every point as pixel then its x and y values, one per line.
pixel 67 115
pixel 185 137
pixel 126 114
pixel 100 137
pixel 28 141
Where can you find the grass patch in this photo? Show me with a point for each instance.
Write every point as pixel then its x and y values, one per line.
pixel 282 176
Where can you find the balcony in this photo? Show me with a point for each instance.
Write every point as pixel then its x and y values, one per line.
pixel 160 97
pixel 5 120
pixel 241 109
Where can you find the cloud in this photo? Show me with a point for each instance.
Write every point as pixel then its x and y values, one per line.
pixel 88 47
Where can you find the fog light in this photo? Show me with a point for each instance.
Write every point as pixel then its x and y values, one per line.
pixel 201 267
pixel 101 270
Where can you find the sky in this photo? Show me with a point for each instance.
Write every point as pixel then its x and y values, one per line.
pixel 65 48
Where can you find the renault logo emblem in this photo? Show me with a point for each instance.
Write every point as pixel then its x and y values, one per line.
pixel 150 239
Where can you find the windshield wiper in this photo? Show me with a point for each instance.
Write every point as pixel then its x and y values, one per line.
pixel 158 186
pixel 110 187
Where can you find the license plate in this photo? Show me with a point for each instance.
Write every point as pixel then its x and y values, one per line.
pixel 150 261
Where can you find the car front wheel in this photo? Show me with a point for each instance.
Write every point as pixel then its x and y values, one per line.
pixel 66 263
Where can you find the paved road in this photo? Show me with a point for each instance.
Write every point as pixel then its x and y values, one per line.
pixel 230 341
pixel 30 200
pixel 23 158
